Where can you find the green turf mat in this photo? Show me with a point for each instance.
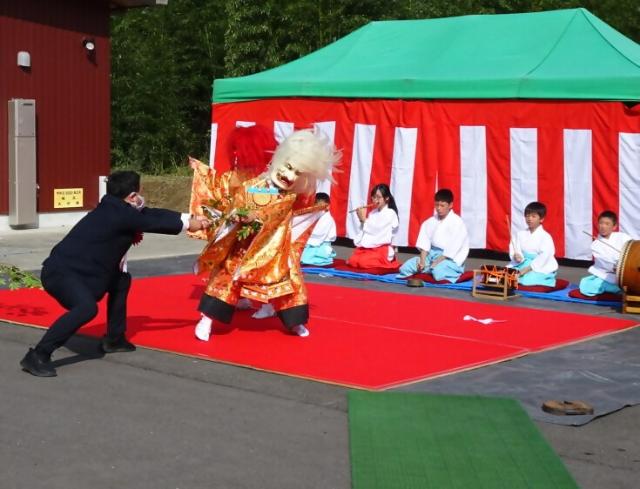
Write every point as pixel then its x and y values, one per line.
pixel 420 441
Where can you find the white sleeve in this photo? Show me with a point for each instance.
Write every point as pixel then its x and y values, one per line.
pixel 324 230
pixel 378 229
pixel 332 234
pixel 381 224
pixel 372 224
pixel 395 226
pixel 545 261
pixel 185 221
pixel 457 247
pixel 424 241
pixel 515 247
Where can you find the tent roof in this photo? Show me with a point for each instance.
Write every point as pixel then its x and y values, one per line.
pixel 560 54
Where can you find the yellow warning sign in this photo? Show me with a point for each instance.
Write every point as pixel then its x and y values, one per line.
pixel 67 197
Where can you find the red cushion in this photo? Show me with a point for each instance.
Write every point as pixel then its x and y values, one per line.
pixel 560 285
pixel 607 296
pixel 427 277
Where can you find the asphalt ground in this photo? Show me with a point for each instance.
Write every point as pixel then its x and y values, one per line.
pixel 150 419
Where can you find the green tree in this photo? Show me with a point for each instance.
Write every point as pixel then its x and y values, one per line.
pixel 163 62
pixel 264 34
pixel 247 37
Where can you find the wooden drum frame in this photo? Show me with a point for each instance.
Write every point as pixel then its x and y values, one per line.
pixel 496 282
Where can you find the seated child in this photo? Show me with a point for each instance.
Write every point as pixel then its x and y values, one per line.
pixel 318 250
pixel 443 242
pixel 606 250
pixel 532 250
pixel 373 243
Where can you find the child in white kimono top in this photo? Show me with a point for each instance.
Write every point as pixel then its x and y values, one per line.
pixel 373 242
pixel 318 250
pixel 443 242
pixel 532 251
pixel 606 249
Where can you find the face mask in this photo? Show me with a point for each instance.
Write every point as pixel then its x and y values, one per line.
pixel 138 203
pixel 284 176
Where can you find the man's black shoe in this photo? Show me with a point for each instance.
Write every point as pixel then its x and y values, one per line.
pixel 36 365
pixel 118 345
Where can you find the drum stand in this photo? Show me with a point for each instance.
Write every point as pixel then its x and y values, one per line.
pixel 630 303
pixel 500 289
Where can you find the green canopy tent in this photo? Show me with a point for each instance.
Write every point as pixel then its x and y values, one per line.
pixel 564 54
pixel 493 106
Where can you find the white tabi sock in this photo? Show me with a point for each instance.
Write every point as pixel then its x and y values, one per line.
pixel 244 303
pixel 300 330
pixel 266 311
pixel 203 328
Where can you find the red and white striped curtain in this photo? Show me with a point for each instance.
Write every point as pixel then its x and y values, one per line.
pixel 579 158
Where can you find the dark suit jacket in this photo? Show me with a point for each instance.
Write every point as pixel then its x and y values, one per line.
pixel 95 246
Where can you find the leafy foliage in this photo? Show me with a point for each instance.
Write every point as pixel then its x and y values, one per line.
pixel 247 230
pixel 165 58
pixel 16 278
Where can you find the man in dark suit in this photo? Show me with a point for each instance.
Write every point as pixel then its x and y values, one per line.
pixel 88 263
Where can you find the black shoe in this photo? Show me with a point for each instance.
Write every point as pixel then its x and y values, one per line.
pixel 36 365
pixel 118 345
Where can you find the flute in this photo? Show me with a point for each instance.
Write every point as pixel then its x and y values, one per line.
pixel 602 241
pixel 362 207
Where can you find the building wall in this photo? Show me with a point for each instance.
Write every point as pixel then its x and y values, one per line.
pixel 71 89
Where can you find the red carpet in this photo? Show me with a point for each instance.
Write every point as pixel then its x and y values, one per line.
pixel 358 338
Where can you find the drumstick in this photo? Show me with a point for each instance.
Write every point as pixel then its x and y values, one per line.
pixel 510 235
pixel 363 207
pixel 603 242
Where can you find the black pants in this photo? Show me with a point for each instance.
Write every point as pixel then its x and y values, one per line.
pixel 80 301
pixel 223 312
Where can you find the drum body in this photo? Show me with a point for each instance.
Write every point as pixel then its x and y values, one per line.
pixel 628 271
pixel 493 275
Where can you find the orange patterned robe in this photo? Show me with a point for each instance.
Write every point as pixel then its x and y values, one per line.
pixel 213 190
pixel 265 266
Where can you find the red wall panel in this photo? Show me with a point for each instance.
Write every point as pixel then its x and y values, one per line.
pixel 71 89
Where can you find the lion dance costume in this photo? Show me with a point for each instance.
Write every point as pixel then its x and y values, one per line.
pixel 261 227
